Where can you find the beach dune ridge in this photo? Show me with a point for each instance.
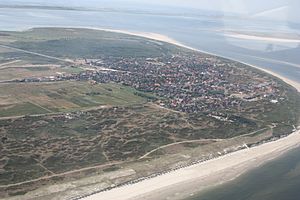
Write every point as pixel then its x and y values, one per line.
pixel 200 176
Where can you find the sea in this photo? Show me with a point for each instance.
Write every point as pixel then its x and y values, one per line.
pixel 276 180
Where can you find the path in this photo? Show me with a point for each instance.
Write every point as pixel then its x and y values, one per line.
pixel 37 54
pixel 4 65
pixel 63 174
pixel 200 140
pixel 175 143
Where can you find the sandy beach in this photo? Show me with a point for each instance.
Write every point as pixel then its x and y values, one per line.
pixel 261 38
pixel 148 35
pixel 288 81
pixel 185 182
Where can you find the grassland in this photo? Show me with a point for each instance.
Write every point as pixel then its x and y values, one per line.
pixel 39 98
pixel 69 44
pixel 20 65
pixel 74 43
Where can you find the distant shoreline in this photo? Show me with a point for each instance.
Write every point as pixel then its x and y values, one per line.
pixel 261 38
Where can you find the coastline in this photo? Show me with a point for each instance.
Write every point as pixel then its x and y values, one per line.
pixel 184 182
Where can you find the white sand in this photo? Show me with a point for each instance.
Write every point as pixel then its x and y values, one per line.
pixel 288 81
pixel 149 35
pixel 262 38
pixel 181 183
pixel 222 169
pixel 154 36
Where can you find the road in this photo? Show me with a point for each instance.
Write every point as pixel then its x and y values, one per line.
pixel 36 54
pixel 200 140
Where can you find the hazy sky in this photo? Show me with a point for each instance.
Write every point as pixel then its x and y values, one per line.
pixel 273 9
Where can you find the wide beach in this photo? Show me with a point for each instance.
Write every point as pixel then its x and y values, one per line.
pixel 185 182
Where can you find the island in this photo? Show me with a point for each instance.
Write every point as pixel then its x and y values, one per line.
pixel 85 111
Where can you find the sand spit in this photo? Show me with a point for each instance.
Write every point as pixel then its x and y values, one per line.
pixel 262 38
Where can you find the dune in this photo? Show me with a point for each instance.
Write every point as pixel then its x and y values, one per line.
pixel 186 181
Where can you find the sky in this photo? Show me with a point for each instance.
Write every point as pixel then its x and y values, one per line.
pixel 285 10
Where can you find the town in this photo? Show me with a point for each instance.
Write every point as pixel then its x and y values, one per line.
pixel 185 83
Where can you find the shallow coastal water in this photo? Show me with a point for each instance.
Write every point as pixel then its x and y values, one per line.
pixel 276 180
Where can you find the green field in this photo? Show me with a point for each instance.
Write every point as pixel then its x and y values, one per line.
pixel 38 98
pixel 75 43
pixel 19 65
